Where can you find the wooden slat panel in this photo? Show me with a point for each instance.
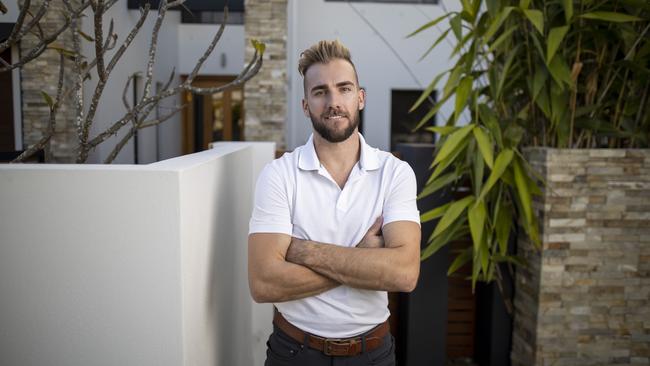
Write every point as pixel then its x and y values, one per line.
pixel 461 315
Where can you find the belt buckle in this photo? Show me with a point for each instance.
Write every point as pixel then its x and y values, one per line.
pixel 329 350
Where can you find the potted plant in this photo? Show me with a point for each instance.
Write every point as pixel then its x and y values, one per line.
pixel 546 95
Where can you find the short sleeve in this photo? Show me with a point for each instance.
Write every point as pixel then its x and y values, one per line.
pixel 271 213
pixel 400 204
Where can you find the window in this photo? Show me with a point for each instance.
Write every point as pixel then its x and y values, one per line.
pixel 234 6
pixel 402 122
pixel 211 17
pixel 390 1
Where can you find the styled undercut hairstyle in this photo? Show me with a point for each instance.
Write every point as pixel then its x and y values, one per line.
pixel 323 52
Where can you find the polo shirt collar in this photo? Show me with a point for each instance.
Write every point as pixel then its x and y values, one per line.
pixel 308 159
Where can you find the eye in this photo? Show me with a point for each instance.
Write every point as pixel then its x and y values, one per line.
pixel 318 93
pixel 346 89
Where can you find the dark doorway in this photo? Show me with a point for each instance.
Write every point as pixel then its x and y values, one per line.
pixel 402 122
pixel 6 107
pixel 211 118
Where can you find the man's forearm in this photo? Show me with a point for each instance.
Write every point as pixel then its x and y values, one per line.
pixel 387 269
pixel 287 281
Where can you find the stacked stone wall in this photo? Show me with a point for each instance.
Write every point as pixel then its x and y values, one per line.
pixel 266 94
pixel 585 297
pixel 42 74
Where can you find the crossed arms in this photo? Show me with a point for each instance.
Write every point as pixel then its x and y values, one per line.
pixel 282 268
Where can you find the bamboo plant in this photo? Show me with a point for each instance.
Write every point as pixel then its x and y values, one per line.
pixel 556 73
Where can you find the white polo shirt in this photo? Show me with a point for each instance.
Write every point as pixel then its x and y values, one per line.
pixel 295 195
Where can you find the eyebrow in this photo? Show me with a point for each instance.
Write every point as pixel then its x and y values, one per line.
pixel 324 86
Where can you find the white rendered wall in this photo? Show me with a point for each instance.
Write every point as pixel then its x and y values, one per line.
pixel 226 59
pixel 131 265
pixel 152 145
pixel 378 68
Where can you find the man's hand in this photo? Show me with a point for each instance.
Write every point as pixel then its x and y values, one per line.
pixel 374 237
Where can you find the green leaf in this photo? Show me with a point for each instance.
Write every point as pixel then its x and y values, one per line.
pixel 502 162
pixel 497 23
pixel 524 4
pixel 425 94
pixel 460 261
pixel 86 37
pixel 513 135
pixel 543 102
pixel 521 181
pixel 431 112
pixel 490 121
pixel 516 260
pixel 449 160
pixel 560 71
pixel 48 99
pixel 538 81
pixel 568 10
pixel 455 231
pixel 430 24
pixel 502 38
pixel 456 27
pixel 537 18
pixel 502 227
pixel 452 81
pixel 476 216
pixel 478 168
pixel 611 16
pixel 484 257
pixel 462 94
pixel 452 142
pixel 437 184
pixel 435 213
pixel 555 37
pixel 442 130
pixel 505 73
pixel 484 145
pixel 259 46
pixel 450 216
pixel 433 46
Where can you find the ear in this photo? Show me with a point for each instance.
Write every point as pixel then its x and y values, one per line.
pixel 305 108
pixel 362 98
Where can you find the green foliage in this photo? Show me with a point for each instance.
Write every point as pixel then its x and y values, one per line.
pixel 559 73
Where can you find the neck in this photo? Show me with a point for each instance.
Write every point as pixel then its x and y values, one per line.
pixel 340 155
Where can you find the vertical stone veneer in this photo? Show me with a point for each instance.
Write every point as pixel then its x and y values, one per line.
pixel 585 297
pixel 266 93
pixel 42 74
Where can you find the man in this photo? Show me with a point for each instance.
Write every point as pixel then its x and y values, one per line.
pixel 335 225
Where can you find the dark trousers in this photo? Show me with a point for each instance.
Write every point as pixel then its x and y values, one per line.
pixel 282 350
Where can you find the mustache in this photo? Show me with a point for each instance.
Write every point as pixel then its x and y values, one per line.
pixel 331 114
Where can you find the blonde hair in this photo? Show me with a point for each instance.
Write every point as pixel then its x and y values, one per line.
pixel 323 52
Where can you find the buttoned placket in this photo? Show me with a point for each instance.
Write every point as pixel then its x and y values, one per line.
pixel 343 199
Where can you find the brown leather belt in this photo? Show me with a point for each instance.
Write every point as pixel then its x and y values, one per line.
pixel 335 346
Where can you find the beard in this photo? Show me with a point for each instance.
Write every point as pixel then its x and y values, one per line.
pixel 328 132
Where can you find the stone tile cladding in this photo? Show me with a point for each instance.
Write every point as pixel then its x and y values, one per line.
pixel 42 74
pixel 266 94
pixel 585 298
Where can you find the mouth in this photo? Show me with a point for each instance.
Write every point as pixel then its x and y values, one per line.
pixel 335 117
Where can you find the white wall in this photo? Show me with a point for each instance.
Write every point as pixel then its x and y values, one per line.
pixel 111 108
pixel 379 69
pixel 131 265
pixel 194 39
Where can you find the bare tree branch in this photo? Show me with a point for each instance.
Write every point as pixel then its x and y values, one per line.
pixel 99 36
pixel 127 41
pixel 162 119
pixel 53 111
pixel 162 10
pixel 37 50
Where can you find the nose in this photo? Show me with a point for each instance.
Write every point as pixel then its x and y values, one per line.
pixel 334 99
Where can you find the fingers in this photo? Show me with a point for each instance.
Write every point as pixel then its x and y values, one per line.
pixel 376 226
